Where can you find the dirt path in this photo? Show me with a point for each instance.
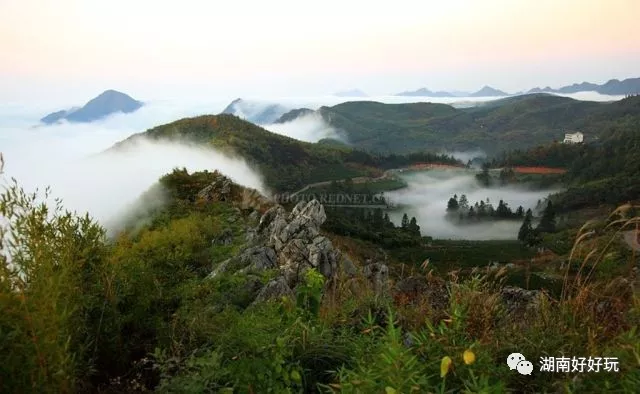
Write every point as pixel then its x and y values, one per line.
pixel 539 170
pixel 389 174
pixel 361 179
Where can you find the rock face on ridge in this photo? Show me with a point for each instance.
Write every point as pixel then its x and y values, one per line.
pixel 288 242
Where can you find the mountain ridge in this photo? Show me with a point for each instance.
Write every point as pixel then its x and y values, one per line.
pixel 255 112
pixel 105 104
pixel 612 87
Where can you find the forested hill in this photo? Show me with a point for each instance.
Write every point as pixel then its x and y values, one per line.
pixel 286 163
pixel 602 171
pixel 517 122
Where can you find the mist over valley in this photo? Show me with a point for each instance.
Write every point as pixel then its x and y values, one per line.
pixel 427 194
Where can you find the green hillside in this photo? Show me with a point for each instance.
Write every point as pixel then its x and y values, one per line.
pixel 601 172
pixel 513 123
pixel 286 163
pixel 214 294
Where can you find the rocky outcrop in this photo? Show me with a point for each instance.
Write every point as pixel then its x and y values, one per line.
pixel 288 242
pixel 518 300
pixel 223 189
pixel 378 274
pixel 275 289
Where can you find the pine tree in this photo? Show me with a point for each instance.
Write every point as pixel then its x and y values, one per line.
pixel 452 205
pixel 464 202
pixel 413 226
pixel 405 221
pixel 526 229
pixel 548 221
pixel 484 178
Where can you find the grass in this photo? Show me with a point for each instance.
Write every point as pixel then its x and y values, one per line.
pixel 136 314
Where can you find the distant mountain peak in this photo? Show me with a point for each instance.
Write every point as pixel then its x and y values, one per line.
pixel 106 103
pixel 425 92
pixel 488 91
pixel 255 112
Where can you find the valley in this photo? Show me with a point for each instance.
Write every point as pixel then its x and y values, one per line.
pixel 304 261
pixel 250 197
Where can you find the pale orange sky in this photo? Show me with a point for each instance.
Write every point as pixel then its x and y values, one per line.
pixel 294 47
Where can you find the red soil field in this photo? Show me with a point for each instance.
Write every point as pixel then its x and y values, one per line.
pixel 431 166
pixel 539 170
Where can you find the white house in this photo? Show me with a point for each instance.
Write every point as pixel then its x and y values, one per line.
pixel 573 138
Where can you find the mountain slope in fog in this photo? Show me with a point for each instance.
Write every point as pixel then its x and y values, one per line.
pixel 107 103
pixel 255 112
pixel 287 164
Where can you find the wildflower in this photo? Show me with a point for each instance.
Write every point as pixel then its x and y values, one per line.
pixel 469 357
pixel 445 365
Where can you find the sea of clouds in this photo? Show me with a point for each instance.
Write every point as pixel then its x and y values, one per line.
pixel 63 157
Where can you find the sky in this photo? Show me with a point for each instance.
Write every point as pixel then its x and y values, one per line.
pixel 73 49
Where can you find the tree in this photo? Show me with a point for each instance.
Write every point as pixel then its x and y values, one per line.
pixel 348 185
pixel 405 222
pixel 471 213
pixel 548 221
pixel 506 174
pixel 463 202
pixel 413 226
pixel 482 209
pixel 452 205
pixel 526 229
pixel 52 269
pixel 484 178
pixel 503 210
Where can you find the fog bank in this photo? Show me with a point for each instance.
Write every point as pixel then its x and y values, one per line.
pixel 427 195
pixel 65 158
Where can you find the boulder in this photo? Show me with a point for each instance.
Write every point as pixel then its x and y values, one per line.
pixel 258 258
pixel 378 274
pixel 348 267
pixel 290 242
pixel 274 289
pixel 517 299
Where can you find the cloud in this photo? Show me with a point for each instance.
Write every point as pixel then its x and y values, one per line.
pixel 310 128
pixel 427 195
pixel 64 158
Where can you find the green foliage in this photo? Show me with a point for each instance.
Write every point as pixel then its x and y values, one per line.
pixel 548 221
pixel 52 275
pixel 80 314
pixel 285 163
pixel 601 171
pixel 463 212
pixel 484 178
pixel 513 123
pixel 389 367
pixel 309 293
